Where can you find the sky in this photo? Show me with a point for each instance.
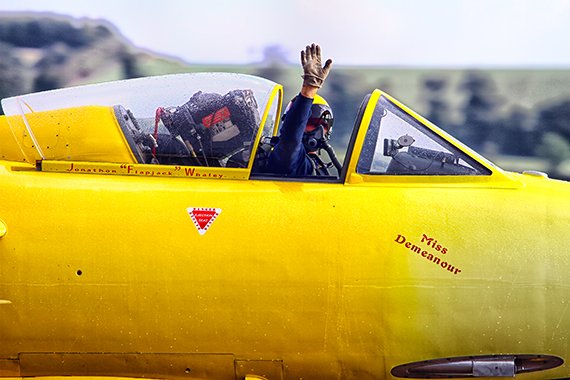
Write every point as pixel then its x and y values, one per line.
pixel 427 33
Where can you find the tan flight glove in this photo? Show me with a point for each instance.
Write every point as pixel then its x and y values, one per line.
pixel 314 73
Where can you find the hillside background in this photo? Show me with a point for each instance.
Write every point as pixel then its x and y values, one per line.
pixel 518 118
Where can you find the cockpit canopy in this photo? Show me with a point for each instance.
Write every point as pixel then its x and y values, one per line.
pixel 200 119
pixel 214 123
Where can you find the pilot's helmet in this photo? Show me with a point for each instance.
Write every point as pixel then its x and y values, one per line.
pixel 321 115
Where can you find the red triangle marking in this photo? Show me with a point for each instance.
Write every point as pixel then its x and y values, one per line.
pixel 203 217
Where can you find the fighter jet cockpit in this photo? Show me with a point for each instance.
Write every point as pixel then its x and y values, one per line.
pixel 201 119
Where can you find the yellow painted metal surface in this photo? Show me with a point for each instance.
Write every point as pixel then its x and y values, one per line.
pixel 124 270
pixel 167 171
pixel 153 365
pixel 9 148
pixel 88 133
pixel 147 275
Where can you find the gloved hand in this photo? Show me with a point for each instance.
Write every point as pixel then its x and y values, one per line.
pixel 314 74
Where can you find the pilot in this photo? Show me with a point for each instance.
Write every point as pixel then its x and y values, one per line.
pixel 307 125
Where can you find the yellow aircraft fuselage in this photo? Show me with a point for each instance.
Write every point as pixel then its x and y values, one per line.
pixel 111 273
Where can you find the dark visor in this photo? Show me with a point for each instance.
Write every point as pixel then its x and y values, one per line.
pixel 321 115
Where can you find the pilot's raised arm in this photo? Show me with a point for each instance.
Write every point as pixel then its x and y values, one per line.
pixel 307 124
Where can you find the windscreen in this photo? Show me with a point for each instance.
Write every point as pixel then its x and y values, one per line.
pixel 398 144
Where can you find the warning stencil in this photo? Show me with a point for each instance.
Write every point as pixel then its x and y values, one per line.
pixel 203 217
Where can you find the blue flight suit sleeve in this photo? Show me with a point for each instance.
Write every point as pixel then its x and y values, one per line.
pixel 289 156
